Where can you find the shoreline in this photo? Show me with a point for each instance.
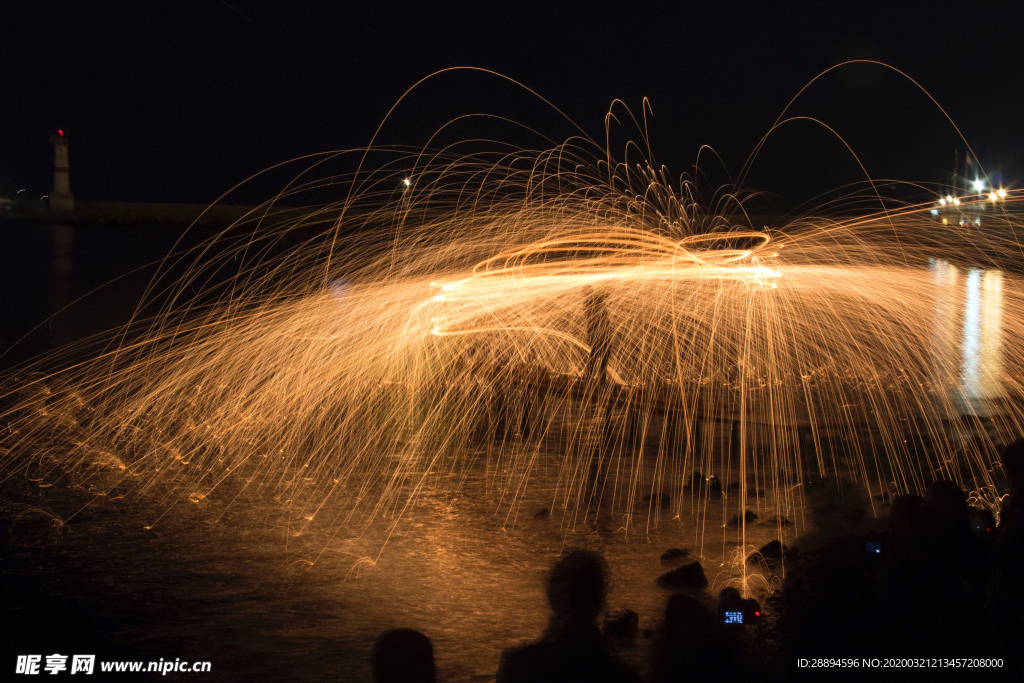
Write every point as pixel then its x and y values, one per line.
pixel 140 213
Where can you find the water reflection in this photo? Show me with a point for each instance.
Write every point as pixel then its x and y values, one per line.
pixel 968 337
pixel 62 281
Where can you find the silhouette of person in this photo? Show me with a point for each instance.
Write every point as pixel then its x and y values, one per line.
pixel 907 533
pixel 572 649
pixel 957 552
pixel 690 647
pixel 403 655
pixel 1007 586
pixel 599 334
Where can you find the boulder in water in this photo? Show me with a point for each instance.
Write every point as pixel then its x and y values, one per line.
pixel 749 517
pixel 688 576
pixel 674 554
pixel 543 513
pixel 771 552
pixel 714 485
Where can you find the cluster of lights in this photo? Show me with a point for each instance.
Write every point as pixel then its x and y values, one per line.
pixel 994 196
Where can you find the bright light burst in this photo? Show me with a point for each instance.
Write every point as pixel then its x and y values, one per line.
pixel 419 333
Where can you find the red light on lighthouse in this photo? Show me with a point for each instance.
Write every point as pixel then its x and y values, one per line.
pixel 61 133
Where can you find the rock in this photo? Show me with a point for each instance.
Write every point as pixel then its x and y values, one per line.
pixel 543 513
pixel 714 485
pixel 771 552
pixel 688 576
pixel 621 626
pixel 674 554
pixel 748 518
pixel 648 634
pixel 778 520
pixel 661 500
pixel 696 479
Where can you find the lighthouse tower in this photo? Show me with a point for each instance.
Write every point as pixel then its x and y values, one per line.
pixel 61 198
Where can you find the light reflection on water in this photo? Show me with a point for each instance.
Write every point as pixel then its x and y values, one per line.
pixel 968 323
pixel 229 592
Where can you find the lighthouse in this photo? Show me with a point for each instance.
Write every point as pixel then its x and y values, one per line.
pixel 61 198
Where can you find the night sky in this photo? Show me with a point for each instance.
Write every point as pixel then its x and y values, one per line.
pixel 177 101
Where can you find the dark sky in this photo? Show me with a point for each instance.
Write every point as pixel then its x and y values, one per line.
pixel 178 100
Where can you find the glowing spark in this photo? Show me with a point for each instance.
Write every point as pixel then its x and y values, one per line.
pixel 601 317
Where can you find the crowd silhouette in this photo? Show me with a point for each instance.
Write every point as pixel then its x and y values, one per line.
pixel 941 581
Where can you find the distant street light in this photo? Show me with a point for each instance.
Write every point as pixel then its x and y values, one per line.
pixel 406 194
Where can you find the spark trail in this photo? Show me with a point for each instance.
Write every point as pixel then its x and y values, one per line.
pixel 431 327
